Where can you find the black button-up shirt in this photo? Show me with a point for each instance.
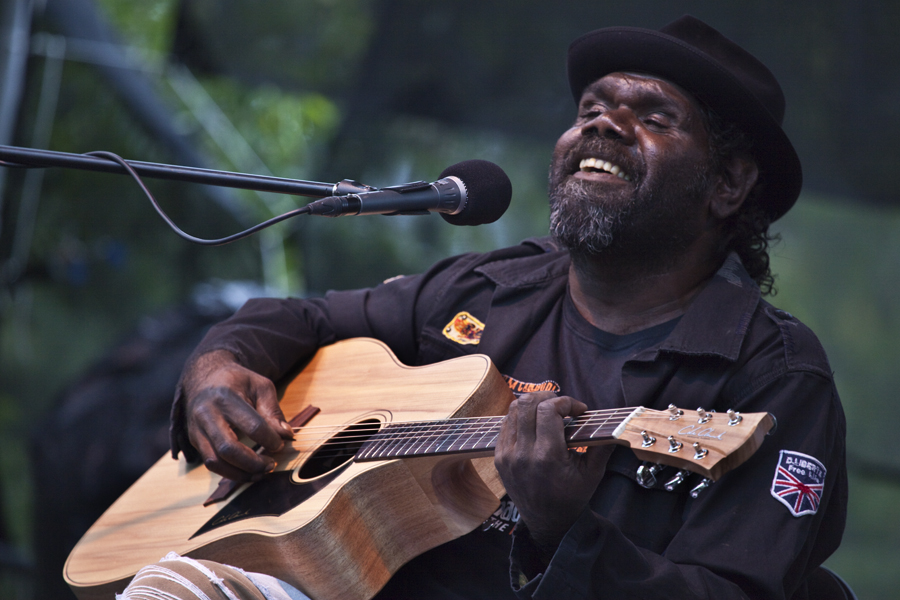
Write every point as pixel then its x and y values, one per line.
pixel 731 349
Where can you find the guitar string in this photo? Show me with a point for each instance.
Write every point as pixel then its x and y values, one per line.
pixel 458 432
pixel 393 438
pixel 312 434
pixel 397 441
pixel 383 453
pixel 462 425
pixel 455 421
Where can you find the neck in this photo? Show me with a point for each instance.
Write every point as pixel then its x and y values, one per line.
pixel 622 297
pixel 478 435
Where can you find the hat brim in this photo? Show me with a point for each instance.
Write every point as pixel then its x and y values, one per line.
pixel 618 49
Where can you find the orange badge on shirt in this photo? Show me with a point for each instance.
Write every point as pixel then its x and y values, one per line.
pixel 464 329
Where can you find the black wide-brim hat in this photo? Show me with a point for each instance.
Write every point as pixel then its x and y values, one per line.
pixel 718 72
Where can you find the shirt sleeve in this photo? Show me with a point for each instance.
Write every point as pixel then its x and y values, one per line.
pixel 271 336
pixel 737 540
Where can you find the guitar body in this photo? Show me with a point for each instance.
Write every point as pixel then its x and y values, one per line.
pixel 343 533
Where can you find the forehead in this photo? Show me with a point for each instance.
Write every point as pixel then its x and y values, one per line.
pixel 631 87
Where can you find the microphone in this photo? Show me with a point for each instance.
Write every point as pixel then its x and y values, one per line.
pixel 473 192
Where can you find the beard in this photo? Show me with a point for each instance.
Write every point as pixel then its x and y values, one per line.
pixel 648 228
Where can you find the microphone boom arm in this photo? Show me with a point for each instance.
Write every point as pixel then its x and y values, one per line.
pixel 14 156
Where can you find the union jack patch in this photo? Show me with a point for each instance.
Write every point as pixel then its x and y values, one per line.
pixel 798 483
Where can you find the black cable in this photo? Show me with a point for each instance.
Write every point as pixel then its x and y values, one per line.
pixel 218 242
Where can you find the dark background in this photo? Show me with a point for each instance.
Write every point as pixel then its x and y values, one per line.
pixel 100 301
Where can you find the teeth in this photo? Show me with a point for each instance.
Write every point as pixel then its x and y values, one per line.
pixel 603 165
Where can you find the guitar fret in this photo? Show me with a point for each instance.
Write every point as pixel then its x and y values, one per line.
pixel 480 443
pixel 404 439
pixel 463 438
pixel 597 426
pixel 428 441
pixel 425 438
pixel 449 436
pixel 446 433
pixel 492 442
pixel 374 447
pixel 415 449
pixel 398 444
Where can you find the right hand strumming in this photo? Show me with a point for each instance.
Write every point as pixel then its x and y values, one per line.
pixel 225 400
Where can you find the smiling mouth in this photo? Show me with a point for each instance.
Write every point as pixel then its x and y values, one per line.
pixel 597 165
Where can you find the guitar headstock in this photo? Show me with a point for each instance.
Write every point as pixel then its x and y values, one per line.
pixel 707 443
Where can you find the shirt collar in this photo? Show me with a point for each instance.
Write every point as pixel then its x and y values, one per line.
pixel 529 271
pixel 718 318
pixel 715 323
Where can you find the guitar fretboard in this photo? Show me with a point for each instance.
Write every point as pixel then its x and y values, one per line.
pixel 456 436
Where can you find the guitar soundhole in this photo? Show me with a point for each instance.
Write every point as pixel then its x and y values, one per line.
pixel 339 449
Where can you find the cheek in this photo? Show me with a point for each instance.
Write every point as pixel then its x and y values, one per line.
pixel 667 155
pixel 564 143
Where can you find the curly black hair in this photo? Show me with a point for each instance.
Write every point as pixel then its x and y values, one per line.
pixel 746 231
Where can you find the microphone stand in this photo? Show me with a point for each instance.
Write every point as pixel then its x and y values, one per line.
pixel 14 156
pixel 107 162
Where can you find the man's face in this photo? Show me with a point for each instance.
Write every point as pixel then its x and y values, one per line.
pixel 631 176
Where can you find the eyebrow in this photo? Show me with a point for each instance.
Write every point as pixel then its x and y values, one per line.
pixel 652 96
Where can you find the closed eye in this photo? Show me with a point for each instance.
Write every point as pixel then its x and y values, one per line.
pixel 658 121
pixel 590 110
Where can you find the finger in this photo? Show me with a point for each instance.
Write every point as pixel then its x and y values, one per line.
pixel 269 408
pixel 228 471
pixel 549 423
pixel 526 416
pixel 213 463
pixel 228 452
pixel 241 415
pixel 506 440
pixel 219 415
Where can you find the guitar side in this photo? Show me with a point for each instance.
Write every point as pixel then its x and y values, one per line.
pixel 350 537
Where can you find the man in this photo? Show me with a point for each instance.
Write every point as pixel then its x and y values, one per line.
pixel 647 294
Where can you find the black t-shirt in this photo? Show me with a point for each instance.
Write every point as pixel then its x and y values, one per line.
pixel 566 355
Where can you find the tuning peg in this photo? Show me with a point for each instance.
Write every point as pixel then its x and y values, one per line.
pixel 674 445
pixel 699 452
pixel 703 416
pixel 734 417
pixel 679 478
pixel 646 474
pixel 700 487
pixel 649 440
pixel 674 412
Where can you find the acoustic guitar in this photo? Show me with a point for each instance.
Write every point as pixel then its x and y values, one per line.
pixel 388 461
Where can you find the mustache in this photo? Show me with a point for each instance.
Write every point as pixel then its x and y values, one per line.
pixel 602 148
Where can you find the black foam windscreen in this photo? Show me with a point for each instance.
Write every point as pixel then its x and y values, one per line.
pixel 488 192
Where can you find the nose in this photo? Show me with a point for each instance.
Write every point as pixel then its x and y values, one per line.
pixel 616 124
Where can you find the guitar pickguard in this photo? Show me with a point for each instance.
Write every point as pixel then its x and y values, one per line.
pixel 271 496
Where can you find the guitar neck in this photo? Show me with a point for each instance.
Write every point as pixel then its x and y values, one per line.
pixel 458 436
